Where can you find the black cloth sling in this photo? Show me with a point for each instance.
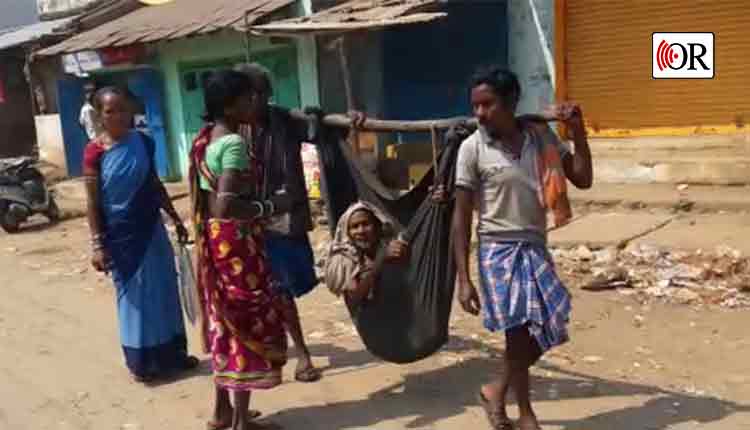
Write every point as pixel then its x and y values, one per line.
pixel 408 318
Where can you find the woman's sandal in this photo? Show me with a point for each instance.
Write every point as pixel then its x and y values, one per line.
pixel 494 416
pixel 213 425
pixel 143 379
pixel 190 362
pixel 310 374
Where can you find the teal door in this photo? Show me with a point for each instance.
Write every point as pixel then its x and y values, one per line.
pixel 193 104
pixel 283 66
pixel 281 62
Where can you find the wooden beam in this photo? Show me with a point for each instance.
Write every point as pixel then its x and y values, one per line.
pixel 425 126
pixel 299 27
pixel 340 45
pixel 561 70
pixel 379 125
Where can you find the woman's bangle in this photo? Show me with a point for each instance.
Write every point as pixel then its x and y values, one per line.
pixel 261 209
pixel 270 208
pixel 227 195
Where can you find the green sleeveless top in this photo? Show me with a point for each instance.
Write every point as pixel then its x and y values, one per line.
pixel 226 152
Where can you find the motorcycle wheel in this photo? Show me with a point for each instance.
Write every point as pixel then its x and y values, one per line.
pixel 53 211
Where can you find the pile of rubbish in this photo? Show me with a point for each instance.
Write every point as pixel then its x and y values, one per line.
pixel 719 277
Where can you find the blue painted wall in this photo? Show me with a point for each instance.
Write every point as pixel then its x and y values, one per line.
pixel 145 84
pixel 427 67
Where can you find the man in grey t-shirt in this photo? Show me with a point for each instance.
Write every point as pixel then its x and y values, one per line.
pixel 507 184
pixel 522 295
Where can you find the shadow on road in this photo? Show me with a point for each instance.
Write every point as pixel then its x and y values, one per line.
pixel 432 396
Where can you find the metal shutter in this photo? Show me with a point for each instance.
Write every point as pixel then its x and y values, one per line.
pixel 608 55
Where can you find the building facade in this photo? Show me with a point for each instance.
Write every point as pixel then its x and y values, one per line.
pixel 608 53
pixel 656 130
pixel 166 74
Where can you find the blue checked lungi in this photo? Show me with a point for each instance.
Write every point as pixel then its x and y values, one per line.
pixel 519 286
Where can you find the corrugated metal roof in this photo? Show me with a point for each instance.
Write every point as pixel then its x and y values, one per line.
pixel 18 36
pixel 174 20
pixel 357 15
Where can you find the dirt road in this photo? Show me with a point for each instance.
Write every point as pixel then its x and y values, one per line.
pixel 629 366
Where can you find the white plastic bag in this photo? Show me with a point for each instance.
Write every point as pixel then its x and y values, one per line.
pixel 187 286
pixel 280 224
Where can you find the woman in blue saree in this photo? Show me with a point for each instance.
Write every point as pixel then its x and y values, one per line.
pixel 129 240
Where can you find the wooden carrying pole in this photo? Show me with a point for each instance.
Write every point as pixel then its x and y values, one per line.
pixel 425 126
pixel 561 65
pixel 387 126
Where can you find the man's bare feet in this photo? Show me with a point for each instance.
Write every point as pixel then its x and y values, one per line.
pixel 528 422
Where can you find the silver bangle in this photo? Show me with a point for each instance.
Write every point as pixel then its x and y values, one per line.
pixel 261 209
pixel 271 207
pixel 225 195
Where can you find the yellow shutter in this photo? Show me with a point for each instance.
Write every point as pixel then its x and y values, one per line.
pixel 608 59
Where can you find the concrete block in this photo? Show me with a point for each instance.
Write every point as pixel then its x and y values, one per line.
pixel 711 160
pixel 704 172
pixel 704 232
pixel 50 141
pixel 599 230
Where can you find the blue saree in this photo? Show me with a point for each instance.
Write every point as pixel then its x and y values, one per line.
pixel 152 331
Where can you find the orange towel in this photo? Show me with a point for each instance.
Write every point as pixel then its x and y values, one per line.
pixel 553 190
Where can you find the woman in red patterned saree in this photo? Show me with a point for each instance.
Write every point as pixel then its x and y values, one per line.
pixel 243 327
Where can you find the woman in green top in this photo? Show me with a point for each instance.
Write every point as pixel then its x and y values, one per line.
pixel 243 327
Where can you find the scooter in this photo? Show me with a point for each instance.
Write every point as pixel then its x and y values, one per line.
pixel 23 193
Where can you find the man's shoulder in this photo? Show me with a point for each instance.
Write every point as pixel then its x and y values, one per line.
pixel 471 142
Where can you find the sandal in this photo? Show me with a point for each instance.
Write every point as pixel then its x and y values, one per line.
pixel 190 362
pixel 310 374
pixel 213 425
pixel 143 379
pixel 494 416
